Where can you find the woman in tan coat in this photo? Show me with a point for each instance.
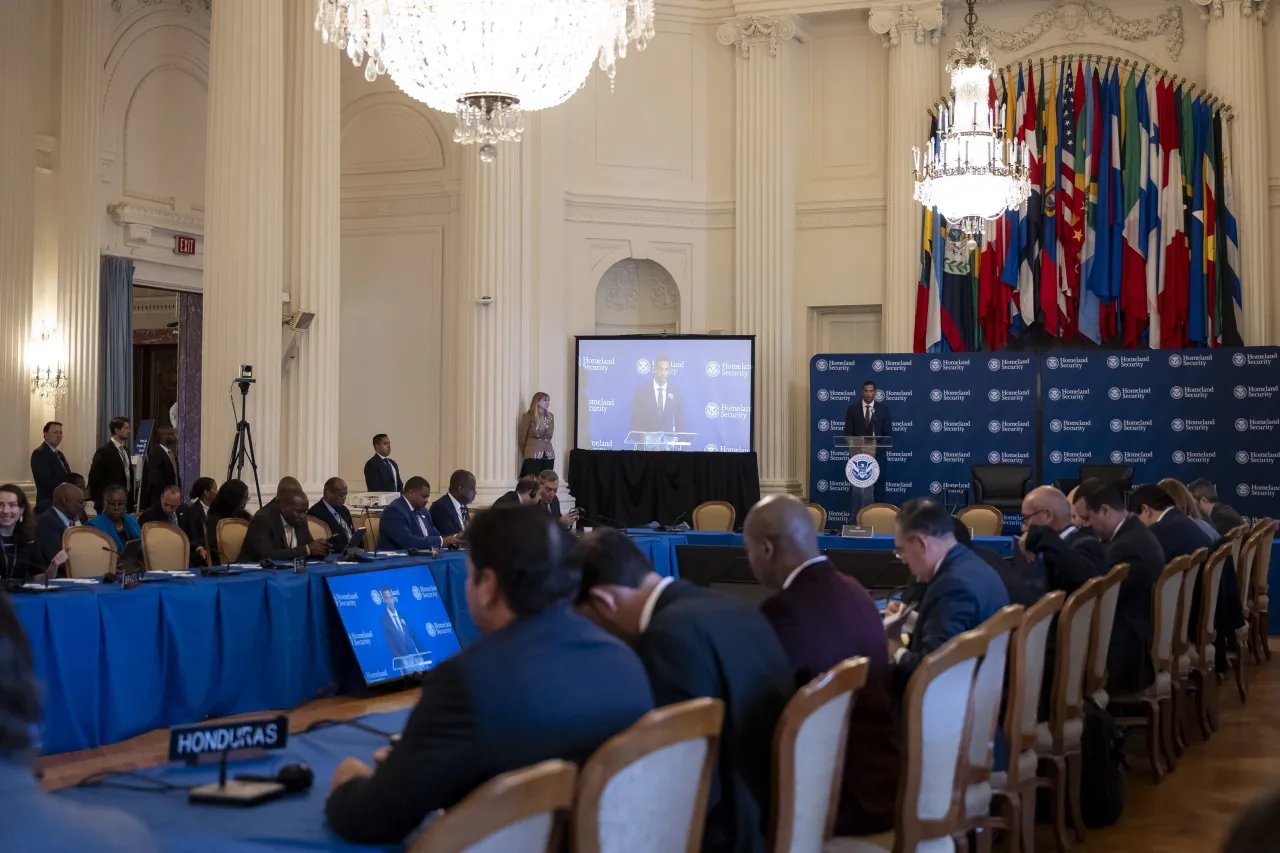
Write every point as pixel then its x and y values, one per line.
pixel 536 428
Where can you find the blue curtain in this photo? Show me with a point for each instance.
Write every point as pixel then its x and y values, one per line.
pixel 115 354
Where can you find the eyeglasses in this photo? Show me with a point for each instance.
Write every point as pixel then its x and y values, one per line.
pixel 1027 518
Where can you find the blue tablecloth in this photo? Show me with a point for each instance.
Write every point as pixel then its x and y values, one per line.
pixel 115 663
pixel 294 823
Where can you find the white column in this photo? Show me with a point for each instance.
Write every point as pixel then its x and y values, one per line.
pixel 489 371
pixel 910 32
pixel 17 231
pixel 312 130
pixel 79 167
pixel 764 249
pixel 1237 74
pixel 244 224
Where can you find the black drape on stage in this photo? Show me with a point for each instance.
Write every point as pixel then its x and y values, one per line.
pixel 631 488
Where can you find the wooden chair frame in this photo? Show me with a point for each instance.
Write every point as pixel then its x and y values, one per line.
pixel 146 551
pixel 862 513
pixel 656 730
pixel 1181 642
pixel 1096 674
pixel 819 512
pixel 225 525
pixel 371 523
pixel 848 676
pixel 1203 682
pixel 501 802
pixel 979 510
pixel 319 530
pixel 1261 603
pixel 106 541
pixel 733 513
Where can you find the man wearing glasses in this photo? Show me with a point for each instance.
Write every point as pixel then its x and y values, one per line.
pixel 1052 548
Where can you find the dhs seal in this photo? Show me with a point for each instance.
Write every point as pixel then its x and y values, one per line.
pixel 824 425
pixel 935 457
pixel 417 592
pixel 879 396
pixel 823 455
pixel 1055 457
pixel 935 364
pixel 1175 392
pixel 1242 425
pixel 993 364
pixel 993 426
pixel 711 448
pixel 1113 393
pixel 1055 425
pixel 1240 392
pixel 1116 425
pixel 821 485
pixel 994 457
pixel 936 426
pixel 935 487
pixel 1179 457
pixel 713 369
pixel 711 410
pixel 431 629
pixel 1175 360
pixel 862 471
pixel 994 395
pixel 823 395
pixel 935 395
pixel 1051 362
pixel 1238 359
pixel 877 365
pixel 1243 490
pixel 643 366
pixel 821 364
pixel 1055 395
pixel 1113 362
pixel 1117 457
pixel 376 596
pixel 1178 424
pixel 1243 457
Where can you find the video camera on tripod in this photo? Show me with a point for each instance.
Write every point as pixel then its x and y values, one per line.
pixel 245 379
pixel 242 445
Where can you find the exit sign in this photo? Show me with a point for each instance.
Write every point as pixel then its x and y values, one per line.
pixel 184 245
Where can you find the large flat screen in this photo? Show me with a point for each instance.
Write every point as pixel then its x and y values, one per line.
pixel 665 393
pixel 395 621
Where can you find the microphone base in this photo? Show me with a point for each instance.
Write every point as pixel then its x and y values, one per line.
pixel 236 793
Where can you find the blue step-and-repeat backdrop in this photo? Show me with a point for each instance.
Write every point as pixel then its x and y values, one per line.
pixel 1168 413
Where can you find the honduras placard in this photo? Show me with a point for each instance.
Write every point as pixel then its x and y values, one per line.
pixel 1185 414
pixel 947 413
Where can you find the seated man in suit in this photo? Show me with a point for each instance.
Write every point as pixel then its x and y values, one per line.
pixel 34 820
pixel 68 504
pixel 332 510
pixel 168 509
pixel 49 468
pixel 655 405
pixel 1020 588
pixel 196 516
pixel 381 473
pixel 695 642
pixel 279 531
pixel 1177 534
pixel 1129 667
pixel 1222 517
pixel 162 466
pixel 450 514
pixel 541 683
pixel 824 617
pixel 113 465
pixel 1053 551
pixel 961 590
pixel 525 492
pixel 548 485
pixel 77 480
pixel 406 523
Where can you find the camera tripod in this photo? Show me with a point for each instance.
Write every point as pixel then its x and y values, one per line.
pixel 242 445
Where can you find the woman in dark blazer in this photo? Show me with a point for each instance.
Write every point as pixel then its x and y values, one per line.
pixel 19 553
pixel 230 502
pixel 537 426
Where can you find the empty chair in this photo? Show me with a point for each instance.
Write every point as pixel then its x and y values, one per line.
pixel 819 515
pixel 1058 741
pixel 524 811
pixel 319 530
pixel 1104 621
pixel 808 756
pixel 1001 486
pixel 714 515
pixel 983 520
pixel 1201 651
pixel 935 713
pixel 90 552
pixel 1014 791
pixel 1121 475
pixel 370 523
pixel 231 533
pixel 165 548
pixel 645 790
pixel 881 518
pixel 1181 646
pixel 979 759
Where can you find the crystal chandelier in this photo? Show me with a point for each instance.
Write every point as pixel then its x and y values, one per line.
pixel 48 379
pixel 968 171
pixel 486 61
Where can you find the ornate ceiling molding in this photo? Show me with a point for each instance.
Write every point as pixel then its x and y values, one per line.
pixel 752 31
pixel 840 214
pixel 189 6
pixel 922 20
pixel 1076 19
pixel 617 210
pixel 1210 9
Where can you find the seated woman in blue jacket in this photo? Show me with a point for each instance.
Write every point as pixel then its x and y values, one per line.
pixel 121 526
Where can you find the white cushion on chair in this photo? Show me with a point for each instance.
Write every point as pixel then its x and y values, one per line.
pixel 815 769
pixel 977 799
pixel 1101 699
pixel 881 843
pixel 1071 733
pixel 529 834
pixel 1164 684
pixel 648 805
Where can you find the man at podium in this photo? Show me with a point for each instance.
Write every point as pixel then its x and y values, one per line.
pixel 868 419
pixel 656 405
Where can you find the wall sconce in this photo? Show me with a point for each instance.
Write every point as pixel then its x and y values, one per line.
pixel 48 378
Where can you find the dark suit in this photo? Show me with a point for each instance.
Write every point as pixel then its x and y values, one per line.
pixel 1178 535
pixel 881 426
pixel 703 643
pixel 193 524
pixel 1224 518
pixel 49 529
pixel 1021 589
pixel 161 472
pixel 822 618
pixel 382 474
pixel 508 499
pixel 21 560
pixel 547 686
pixel 400 639
pixel 1064 563
pixel 445 516
pixel 553 508
pixel 325 513
pixel 647 415
pixel 49 469
pixel 108 469
pixel 266 539
pixel 1129 667
pixel 964 593
pixel 399 529
pixel 156 513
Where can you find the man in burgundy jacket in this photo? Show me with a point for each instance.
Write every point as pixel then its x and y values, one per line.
pixel 823 617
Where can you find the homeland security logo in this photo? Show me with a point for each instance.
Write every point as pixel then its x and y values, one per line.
pixel 993 426
pixel 1055 395
pixel 823 395
pixel 1238 359
pixel 1051 362
pixel 643 366
pixel 821 485
pixel 879 397
pixel 1113 362
pixel 1114 393
pixel 862 471
pixel 935 487
pixel 994 457
pixel 1179 457
pixel 713 369
pixel 877 365
pixel 993 364
pixel 1116 425
pixel 1117 456
pixel 935 395
pixel 1242 425
pixel 1055 425
pixel 823 454
pixel 1178 424
pixel 376 596
pixel 935 457
pixel 824 425
pixel 994 395
pixel 417 592
pixel 936 426
pixel 712 411
pixel 1243 490
pixel 820 364
pixel 1176 392
pixel 1240 392
pixel 711 448
pixel 1175 360
pixel 431 629
pixel 935 364
pixel 1055 457
pixel 1243 457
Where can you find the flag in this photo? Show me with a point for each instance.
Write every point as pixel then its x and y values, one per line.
pixel 1153 201
pixel 1176 251
pixel 1049 270
pixel 1017 220
pixel 928 323
pixel 1210 228
pixel 1092 145
pixel 1195 303
pixel 993 297
pixel 1028 262
pixel 1107 319
pixel 1229 259
pixel 957 290
pixel 1133 275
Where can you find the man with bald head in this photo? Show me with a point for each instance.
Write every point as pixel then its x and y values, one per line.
pixel 1065 555
pixel 823 617
pixel 279 532
pixel 332 510
pixel 68 503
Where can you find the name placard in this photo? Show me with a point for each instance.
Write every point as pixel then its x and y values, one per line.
pixel 191 743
